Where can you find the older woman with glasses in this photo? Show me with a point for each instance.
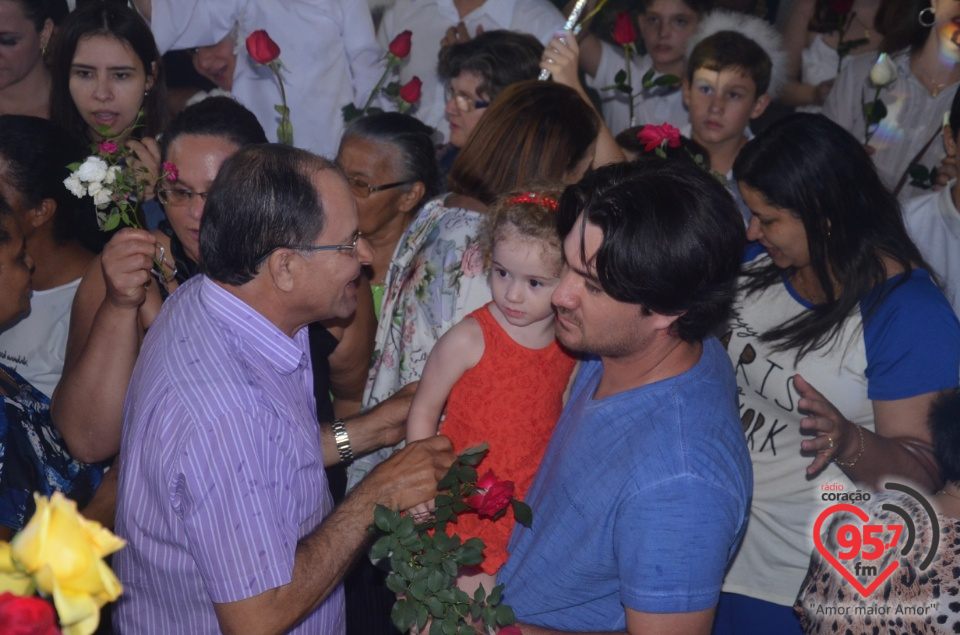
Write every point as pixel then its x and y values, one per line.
pixel 391 166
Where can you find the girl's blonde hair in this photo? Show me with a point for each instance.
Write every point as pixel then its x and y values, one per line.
pixel 530 212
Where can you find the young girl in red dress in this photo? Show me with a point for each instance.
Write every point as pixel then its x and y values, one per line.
pixel 500 372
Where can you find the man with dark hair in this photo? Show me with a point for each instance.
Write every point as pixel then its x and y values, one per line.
pixel 642 496
pixel 223 498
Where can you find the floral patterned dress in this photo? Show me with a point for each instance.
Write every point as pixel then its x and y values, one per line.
pixel 435 279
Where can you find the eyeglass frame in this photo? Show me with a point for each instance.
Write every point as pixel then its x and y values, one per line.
pixel 354 182
pixel 162 194
pixel 352 248
pixel 477 104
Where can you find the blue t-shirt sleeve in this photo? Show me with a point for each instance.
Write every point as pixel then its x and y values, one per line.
pixel 673 542
pixel 912 340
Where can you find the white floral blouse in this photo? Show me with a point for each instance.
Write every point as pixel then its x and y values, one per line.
pixel 435 279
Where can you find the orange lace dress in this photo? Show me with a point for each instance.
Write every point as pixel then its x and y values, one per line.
pixel 511 399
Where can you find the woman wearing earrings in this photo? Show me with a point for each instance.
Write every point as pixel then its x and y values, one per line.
pixel 26 29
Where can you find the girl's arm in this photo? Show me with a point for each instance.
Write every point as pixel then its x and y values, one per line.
pixel 455 353
pixel 794 41
pixel 105 334
pixel 560 58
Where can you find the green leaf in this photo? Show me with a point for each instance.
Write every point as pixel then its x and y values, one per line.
pixel 646 79
pixel 440 541
pixel 408 572
pixel 625 88
pixel 466 474
pixel 436 627
pixel 403 615
pixel 666 80
pixel 436 580
pixel 422 616
pixel 392 89
pixel 918 172
pixel 471 459
pixel 446 482
pixel 350 112
pixel 380 549
pixel 112 222
pixel 281 110
pixel 466 629
pixel 383 518
pixel 620 77
pixel 495 594
pixel 475 543
pixel 73 167
pixel 479 595
pixel 522 512
pixel 418 590
pixel 413 543
pixel 475 611
pixel 405 527
pixel 449 626
pixel 443 514
pixel 396 583
pixel 446 596
pixel 489 617
pixel 443 500
pixel 505 616
pixel 469 557
pixel 879 111
pixel 435 606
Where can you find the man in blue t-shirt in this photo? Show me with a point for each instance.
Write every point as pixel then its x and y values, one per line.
pixel 642 496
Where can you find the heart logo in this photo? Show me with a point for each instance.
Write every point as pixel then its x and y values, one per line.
pixel 862 515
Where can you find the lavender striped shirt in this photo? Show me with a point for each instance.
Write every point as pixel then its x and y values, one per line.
pixel 221 471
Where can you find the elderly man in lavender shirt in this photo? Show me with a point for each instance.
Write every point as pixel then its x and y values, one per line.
pixel 223 499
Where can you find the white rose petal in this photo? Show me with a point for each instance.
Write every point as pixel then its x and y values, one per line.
pixel 94 169
pixel 75 186
pixel 884 71
pixel 102 198
pixel 111 175
pixel 93 188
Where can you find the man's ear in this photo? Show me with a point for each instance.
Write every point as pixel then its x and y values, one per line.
pixel 761 106
pixel 281 266
pixel 411 197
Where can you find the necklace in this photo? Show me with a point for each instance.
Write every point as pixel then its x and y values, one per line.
pixel 950 494
pixel 937 86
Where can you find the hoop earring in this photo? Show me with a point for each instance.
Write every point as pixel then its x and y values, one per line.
pixel 927 18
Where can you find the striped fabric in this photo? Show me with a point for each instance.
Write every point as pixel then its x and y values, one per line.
pixel 221 471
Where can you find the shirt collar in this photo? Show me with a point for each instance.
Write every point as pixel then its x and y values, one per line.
pixel 284 354
pixel 499 11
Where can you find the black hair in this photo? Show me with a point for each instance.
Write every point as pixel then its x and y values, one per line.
pixel 672 239
pixel 500 57
pixel 851 220
pixel 944 421
pixel 220 117
pixel 39 11
pixel 34 154
pixel 6 212
pixel 732 50
pixel 700 7
pixel 262 199
pixel 118 21
pixel 898 22
pixel 413 141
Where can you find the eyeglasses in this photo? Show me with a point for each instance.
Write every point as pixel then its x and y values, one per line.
pixel 362 189
pixel 465 103
pixel 351 248
pixel 179 197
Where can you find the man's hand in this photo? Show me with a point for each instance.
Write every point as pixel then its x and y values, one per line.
pixel 410 476
pixel 459 34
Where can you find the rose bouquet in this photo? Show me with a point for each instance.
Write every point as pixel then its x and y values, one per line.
pixel 58 554
pixel 402 96
pixel 424 564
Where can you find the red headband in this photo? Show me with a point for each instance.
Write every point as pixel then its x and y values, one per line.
pixel 536 199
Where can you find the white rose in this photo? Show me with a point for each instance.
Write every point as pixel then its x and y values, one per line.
pixel 75 186
pixel 884 71
pixel 111 175
pixel 94 169
pixel 102 198
pixel 93 188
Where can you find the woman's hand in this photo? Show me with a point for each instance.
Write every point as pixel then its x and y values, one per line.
pixel 146 155
pixel 834 432
pixel 126 262
pixel 561 57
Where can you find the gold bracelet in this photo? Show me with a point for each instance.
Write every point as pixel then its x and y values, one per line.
pixel 859 454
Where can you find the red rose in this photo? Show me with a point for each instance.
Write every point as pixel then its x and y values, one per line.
pixel 401 45
pixel 492 495
pixel 623 31
pixel 109 147
pixel 172 172
pixel 26 616
pixel 261 48
pixel 510 630
pixel 840 7
pixel 410 92
pixel 655 136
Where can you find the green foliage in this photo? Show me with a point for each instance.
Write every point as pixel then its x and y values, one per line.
pixel 424 566
pixel 921 176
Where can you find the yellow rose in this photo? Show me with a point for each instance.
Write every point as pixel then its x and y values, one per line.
pixel 64 552
pixel 12 578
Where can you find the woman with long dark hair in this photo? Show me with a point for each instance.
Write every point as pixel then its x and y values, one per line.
pixel 841 340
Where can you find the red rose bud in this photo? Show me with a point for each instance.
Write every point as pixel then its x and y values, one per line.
pixel 26 616
pixel 492 495
pixel 624 32
pixel 410 92
pixel 261 48
pixel 401 45
pixel 654 136
pixel 840 7
pixel 109 147
pixel 172 172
